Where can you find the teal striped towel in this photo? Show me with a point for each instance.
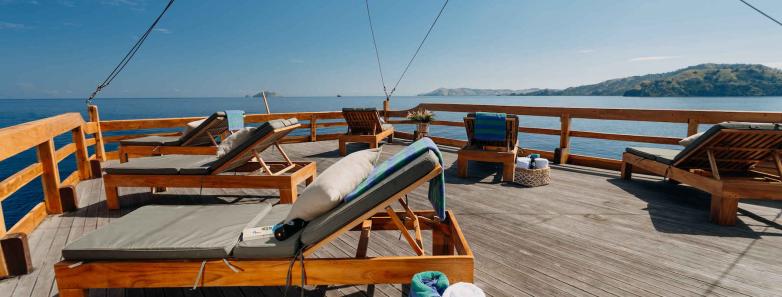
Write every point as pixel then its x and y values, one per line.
pixel 235 119
pixel 414 150
pixel 489 126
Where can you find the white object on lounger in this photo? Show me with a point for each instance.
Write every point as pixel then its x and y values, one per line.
pixel 463 290
pixel 191 126
pixel 689 139
pixel 335 182
pixel 234 140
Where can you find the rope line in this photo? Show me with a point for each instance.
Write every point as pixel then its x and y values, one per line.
pixel 377 52
pixel 761 12
pixel 125 60
pixel 407 67
pixel 419 47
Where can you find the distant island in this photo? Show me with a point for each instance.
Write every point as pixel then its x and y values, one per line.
pixel 259 94
pixel 475 92
pixel 705 80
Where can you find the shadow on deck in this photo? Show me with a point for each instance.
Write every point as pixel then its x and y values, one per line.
pixel 588 233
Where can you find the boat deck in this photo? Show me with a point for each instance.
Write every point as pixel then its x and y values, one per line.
pixel 588 233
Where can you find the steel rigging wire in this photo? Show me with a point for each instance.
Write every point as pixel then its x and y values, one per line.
pixel 125 60
pixel 420 45
pixel 761 12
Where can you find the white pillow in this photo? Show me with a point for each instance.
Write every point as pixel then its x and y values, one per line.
pixel 335 182
pixel 191 126
pixel 688 140
pixel 234 140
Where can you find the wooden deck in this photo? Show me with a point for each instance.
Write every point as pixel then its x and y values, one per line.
pixel 588 233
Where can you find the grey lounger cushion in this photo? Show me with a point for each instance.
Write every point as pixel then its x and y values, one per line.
pixel 661 155
pixel 164 165
pixel 269 247
pixel 152 141
pixel 167 232
pixel 343 214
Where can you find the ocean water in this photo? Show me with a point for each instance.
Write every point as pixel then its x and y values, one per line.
pixel 16 111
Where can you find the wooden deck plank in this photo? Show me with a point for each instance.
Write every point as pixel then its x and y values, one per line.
pixel 588 233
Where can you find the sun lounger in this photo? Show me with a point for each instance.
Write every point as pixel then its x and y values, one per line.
pixel 365 126
pixel 723 162
pixel 198 141
pixel 200 246
pixel 208 171
pixel 500 148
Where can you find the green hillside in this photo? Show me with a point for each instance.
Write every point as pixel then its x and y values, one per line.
pixel 707 80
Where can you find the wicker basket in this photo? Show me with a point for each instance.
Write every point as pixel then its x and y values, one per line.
pixel 532 177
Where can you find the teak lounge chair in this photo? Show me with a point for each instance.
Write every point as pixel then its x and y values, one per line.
pixel 365 126
pixel 497 152
pixel 198 141
pixel 202 171
pixel 199 246
pixel 723 162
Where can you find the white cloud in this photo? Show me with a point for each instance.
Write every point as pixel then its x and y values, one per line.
pixel 7 25
pixel 652 58
pixel 777 65
pixel 586 51
pixel 162 30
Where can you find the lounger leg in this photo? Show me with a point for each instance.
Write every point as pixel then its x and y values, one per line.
pixel 724 208
pixel 309 180
pixel 342 148
pixel 626 171
pixel 73 292
pixel 112 196
pixel 442 243
pixel 390 138
pixel 288 195
pixel 374 144
pixel 508 169
pixel 461 166
pixel 123 157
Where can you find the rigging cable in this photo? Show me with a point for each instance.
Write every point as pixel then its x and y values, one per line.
pixel 761 12
pixel 125 60
pixel 420 45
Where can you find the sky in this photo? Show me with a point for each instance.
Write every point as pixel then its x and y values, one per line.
pixel 201 48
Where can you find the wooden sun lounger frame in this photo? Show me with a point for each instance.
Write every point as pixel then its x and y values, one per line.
pixel 504 153
pixel 283 175
pixel 725 190
pixel 126 151
pixel 370 130
pixel 450 254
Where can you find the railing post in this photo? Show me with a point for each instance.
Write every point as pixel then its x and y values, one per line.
pixel 50 178
pixel 313 128
pixel 564 139
pixel 100 152
pixel 3 263
pixel 692 127
pixel 82 158
pixel 386 108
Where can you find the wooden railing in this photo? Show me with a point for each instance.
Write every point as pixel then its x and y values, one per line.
pixel 692 118
pixel 40 135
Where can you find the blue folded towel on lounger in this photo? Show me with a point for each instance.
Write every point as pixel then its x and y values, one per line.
pixel 414 150
pixel 235 119
pixel 489 126
pixel 428 284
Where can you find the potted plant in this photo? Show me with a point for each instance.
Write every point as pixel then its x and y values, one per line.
pixel 423 118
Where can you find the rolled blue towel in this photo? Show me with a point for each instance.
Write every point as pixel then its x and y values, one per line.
pixel 489 126
pixel 428 284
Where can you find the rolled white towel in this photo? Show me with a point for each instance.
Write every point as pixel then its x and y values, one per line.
pixel 541 163
pixel 523 162
pixel 463 290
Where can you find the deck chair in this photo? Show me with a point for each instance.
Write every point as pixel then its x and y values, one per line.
pixel 198 141
pixel 200 245
pixel 490 151
pixel 365 126
pixel 234 170
pixel 724 162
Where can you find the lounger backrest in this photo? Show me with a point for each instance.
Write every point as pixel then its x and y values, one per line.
pixel 328 225
pixel 511 132
pixel 213 125
pixel 266 135
pixel 736 146
pixel 362 120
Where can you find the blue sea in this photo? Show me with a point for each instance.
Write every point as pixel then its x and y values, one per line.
pixel 16 111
